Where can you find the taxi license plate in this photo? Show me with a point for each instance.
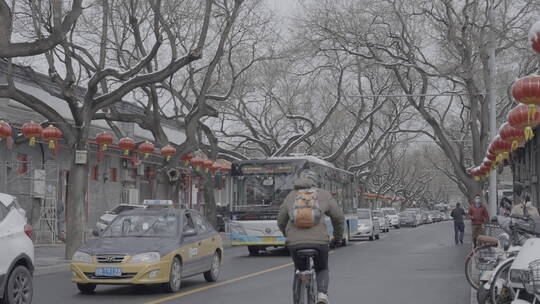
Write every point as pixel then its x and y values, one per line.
pixel 269 239
pixel 108 272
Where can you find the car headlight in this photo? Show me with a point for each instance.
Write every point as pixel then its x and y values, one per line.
pixel 146 257
pixel 80 256
pixel 238 229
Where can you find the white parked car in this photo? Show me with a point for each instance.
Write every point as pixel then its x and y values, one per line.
pixel 392 216
pixel 418 212
pixel 367 225
pixel 110 215
pixel 16 253
pixel 383 221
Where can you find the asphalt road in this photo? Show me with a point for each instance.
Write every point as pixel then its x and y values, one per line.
pixel 406 266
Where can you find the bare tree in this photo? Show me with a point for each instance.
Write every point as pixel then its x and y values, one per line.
pixel 56 30
pixel 92 78
pixel 433 48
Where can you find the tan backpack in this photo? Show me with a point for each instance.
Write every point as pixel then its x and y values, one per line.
pixel 306 212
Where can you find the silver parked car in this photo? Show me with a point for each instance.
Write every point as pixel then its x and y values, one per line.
pixel 383 220
pixel 368 226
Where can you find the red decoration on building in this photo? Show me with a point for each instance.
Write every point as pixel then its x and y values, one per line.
pixel 519 118
pixel 527 90
pixel 126 144
pixel 492 157
pixel 512 135
pixel 207 164
pixel 186 158
pixel 32 130
pixel 215 167
pixel 51 134
pixel 5 130
pixel 488 163
pixel 500 148
pixel 168 151
pixel 146 148
pixel 104 139
pixel 534 36
pixel 197 163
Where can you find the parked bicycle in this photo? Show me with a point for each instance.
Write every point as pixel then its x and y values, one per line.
pixel 513 281
pixel 305 282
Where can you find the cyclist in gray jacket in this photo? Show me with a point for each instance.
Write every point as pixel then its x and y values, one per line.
pixel 315 237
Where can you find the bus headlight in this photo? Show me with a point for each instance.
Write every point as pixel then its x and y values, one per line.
pixel 236 228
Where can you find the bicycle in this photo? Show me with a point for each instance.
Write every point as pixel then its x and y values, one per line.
pixel 305 282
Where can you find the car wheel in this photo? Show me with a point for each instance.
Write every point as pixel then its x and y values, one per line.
pixel 371 237
pixel 212 275
pixel 253 250
pixel 19 287
pixel 377 236
pixel 86 288
pixel 175 277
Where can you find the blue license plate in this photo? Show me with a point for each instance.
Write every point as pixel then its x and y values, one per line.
pixel 108 272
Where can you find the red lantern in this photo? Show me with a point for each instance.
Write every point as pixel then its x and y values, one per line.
pixel 5 130
pixel 207 164
pixel 492 157
pixel 519 118
pixel 32 130
pixel 534 36
pixel 168 151
pixel 215 167
pixel 146 148
pixel 488 163
pixel 126 144
pixel 512 135
pixel 527 90
pixel 186 158
pixel 104 139
pixel 197 163
pixel 500 148
pixel 51 134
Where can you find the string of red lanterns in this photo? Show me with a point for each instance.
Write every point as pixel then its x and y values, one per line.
pixel 522 119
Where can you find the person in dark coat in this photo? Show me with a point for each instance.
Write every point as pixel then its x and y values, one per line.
pixel 458 215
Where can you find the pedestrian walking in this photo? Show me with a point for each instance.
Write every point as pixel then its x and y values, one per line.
pixel 479 216
pixel 459 225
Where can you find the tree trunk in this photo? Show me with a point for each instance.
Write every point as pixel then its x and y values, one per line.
pixel 210 201
pixel 75 207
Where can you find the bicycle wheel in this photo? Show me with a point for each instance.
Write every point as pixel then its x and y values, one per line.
pixel 312 288
pixel 300 292
pixel 480 259
pixel 501 292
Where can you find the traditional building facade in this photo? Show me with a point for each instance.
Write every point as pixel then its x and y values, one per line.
pixel 38 176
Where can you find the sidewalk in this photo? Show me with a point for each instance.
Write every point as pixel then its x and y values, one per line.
pixel 50 258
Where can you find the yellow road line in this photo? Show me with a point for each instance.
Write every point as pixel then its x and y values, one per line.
pixel 183 294
pixel 189 292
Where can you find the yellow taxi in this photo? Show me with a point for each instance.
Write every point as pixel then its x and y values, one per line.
pixel 150 246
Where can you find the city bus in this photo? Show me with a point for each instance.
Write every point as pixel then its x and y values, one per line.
pixel 260 186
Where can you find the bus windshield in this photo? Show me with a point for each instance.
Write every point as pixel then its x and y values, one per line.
pixel 263 192
pixel 363 214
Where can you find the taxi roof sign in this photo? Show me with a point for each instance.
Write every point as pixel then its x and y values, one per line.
pixel 156 202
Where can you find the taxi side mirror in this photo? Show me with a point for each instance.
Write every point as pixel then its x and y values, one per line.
pixel 189 232
pixel 95 233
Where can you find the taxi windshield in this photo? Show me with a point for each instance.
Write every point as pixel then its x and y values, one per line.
pixel 143 225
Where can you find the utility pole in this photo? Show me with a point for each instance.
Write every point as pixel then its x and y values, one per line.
pixel 492 106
